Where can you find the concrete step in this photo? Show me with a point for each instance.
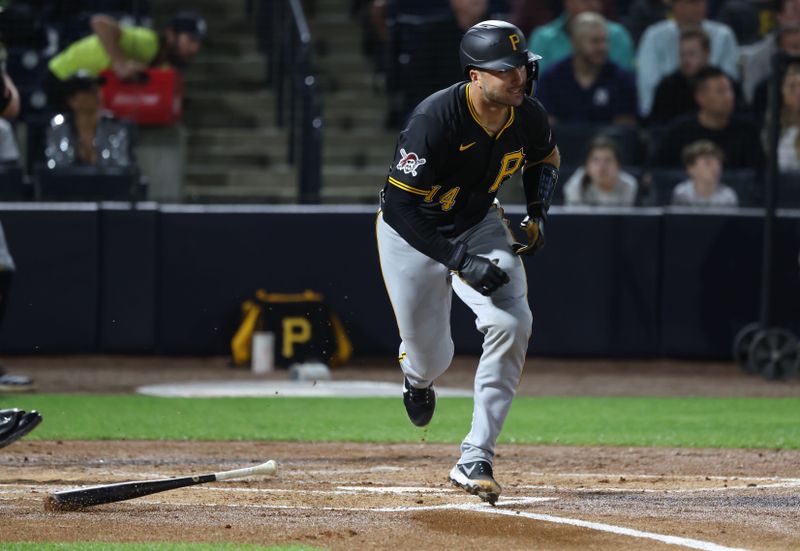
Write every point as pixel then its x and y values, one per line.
pixel 225 116
pixel 347 62
pixel 198 81
pixel 209 9
pixel 214 67
pixel 278 176
pixel 271 137
pixel 223 136
pixel 358 106
pixel 256 153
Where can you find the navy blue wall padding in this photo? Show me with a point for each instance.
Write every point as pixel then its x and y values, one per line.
pixel 171 279
pixel 53 302
pixel 594 288
pixel 211 262
pixel 128 245
pixel 712 279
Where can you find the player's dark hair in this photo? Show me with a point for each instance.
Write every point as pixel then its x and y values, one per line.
pixel 700 148
pixel 696 32
pixel 704 75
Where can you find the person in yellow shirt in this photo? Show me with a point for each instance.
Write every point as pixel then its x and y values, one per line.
pixel 128 51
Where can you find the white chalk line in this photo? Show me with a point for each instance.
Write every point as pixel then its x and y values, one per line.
pixel 620 530
pixel 792 484
pixel 500 509
pixel 665 476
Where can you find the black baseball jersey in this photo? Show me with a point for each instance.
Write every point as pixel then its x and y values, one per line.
pixel 448 160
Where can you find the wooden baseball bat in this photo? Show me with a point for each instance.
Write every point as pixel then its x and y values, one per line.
pixel 71 500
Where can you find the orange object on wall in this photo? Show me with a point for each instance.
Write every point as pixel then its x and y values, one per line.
pixel 154 100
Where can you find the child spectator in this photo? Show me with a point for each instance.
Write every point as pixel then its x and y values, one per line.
pixel 85 134
pixel 600 181
pixel 703 161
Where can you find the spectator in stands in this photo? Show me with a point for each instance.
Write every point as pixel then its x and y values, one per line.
pixel 552 41
pixel 789 141
pixel 744 19
pixel 703 161
pixel 527 15
pixel 9 109
pixel 788 42
pixel 85 134
pixel 642 14
pixel 756 66
pixel 128 51
pixel 674 95
pixel 587 86
pixel 657 55
pixel 600 181
pixel 714 121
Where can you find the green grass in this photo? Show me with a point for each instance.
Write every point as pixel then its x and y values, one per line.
pixel 691 422
pixel 155 546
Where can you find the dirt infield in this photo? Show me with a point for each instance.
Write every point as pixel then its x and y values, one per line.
pixel 367 496
pixel 374 496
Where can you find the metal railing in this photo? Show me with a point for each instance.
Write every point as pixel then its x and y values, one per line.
pixel 298 95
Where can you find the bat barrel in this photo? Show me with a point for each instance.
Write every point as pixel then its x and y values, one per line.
pixel 70 500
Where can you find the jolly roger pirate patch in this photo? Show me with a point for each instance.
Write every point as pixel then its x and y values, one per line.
pixel 409 162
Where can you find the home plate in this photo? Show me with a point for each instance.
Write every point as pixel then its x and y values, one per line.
pixel 269 388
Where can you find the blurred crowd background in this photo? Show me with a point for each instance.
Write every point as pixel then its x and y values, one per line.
pixel 653 102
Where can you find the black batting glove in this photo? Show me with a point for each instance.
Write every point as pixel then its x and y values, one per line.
pixel 482 274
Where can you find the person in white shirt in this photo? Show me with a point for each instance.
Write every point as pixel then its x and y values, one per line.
pixel 703 161
pixel 789 140
pixel 601 181
pixel 657 55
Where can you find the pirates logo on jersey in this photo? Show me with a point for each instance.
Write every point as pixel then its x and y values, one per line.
pixel 409 162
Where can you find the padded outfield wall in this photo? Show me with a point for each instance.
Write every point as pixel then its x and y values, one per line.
pixel 170 279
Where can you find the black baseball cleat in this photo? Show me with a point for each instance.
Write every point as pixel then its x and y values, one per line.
pixel 419 402
pixel 477 479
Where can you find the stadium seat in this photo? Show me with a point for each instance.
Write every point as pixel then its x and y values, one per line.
pixel 789 189
pixel 86 183
pixel 12 184
pixel 573 139
pixel 744 183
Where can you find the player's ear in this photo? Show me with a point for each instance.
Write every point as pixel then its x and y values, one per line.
pixel 474 75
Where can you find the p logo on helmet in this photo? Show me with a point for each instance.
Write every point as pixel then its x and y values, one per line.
pixel 514 38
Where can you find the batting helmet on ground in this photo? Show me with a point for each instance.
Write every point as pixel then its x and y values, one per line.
pixel 498 46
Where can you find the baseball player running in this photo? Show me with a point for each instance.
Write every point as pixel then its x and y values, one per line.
pixel 441 229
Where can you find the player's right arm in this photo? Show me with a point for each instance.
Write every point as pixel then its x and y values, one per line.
pixel 411 180
pixel 109 32
pixel 412 176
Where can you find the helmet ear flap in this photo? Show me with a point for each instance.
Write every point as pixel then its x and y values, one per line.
pixel 533 75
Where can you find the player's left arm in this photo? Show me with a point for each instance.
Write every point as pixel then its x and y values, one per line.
pixel 539 174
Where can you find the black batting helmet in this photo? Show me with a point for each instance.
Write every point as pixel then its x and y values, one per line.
pixel 498 46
